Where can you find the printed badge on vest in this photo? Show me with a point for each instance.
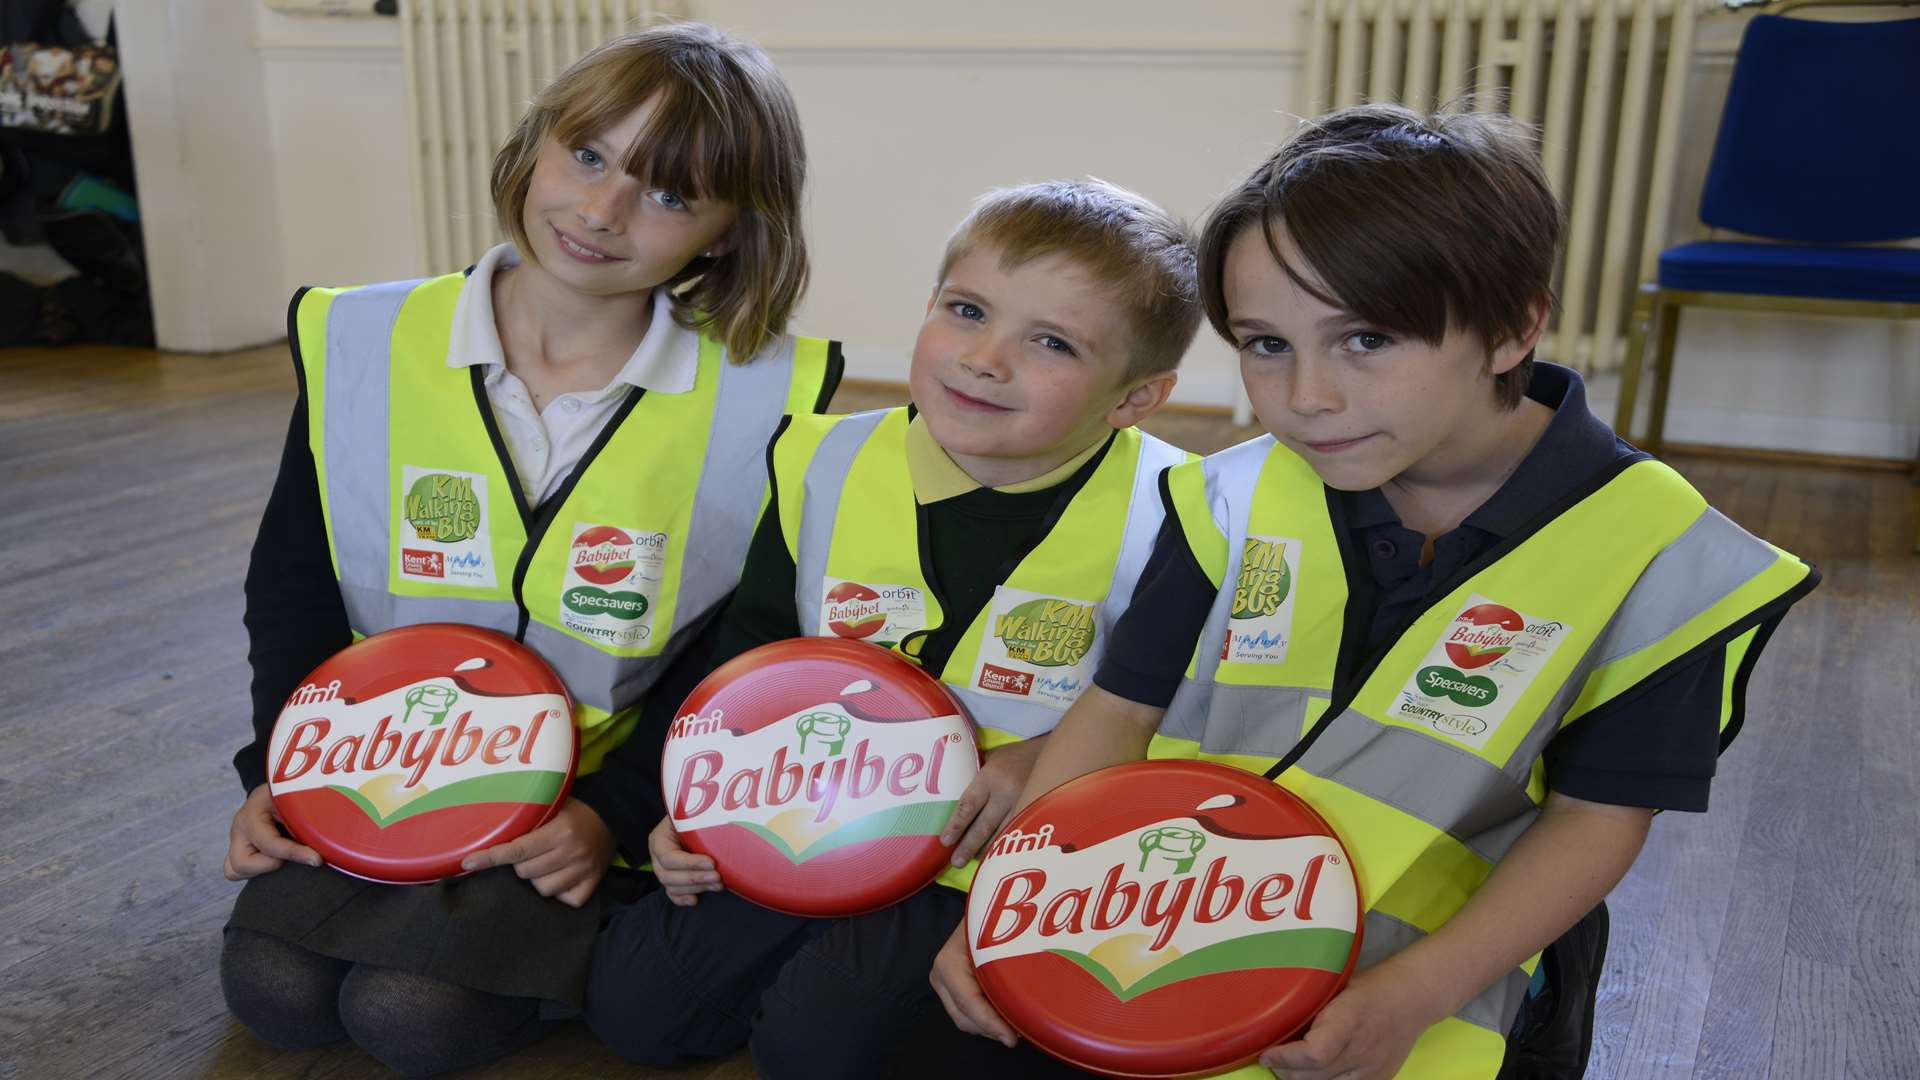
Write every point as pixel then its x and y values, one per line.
pixel 612 583
pixel 1262 619
pixel 873 612
pixel 1473 676
pixel 445 537
pixel 1037 647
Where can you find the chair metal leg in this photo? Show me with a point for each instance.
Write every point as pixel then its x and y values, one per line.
pixel 1665 331
pixel 1636 359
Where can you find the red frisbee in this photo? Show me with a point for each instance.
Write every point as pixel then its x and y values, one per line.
pixel 409 750
pixel 1164 918
pixel 818 773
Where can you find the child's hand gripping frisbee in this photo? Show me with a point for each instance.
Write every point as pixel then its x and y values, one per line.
pixel 411 749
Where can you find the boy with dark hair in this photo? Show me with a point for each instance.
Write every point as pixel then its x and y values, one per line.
pixel 1441 601
pixel 1059 315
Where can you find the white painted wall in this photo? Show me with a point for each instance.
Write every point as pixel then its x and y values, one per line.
pixel 208 204
pixel 911 110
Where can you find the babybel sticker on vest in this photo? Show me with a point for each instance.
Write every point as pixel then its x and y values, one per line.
pixel 1038 647
pixel 878 614
pixel 1261 623
pixel 818 774
pixel 1164 918
pixel 413 748
pixel 612 582
pixel 1474 675
pixel 443 535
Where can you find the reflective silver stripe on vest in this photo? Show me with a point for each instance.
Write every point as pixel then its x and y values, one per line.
pixel 354 438
pixel 1495 1009
pixel 1709 561
pixel 1189 715
pixel 826 476
pixel 826 480
pixel 751 399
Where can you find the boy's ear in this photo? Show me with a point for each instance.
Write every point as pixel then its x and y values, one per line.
pixel 1143 399
pixel 1508 354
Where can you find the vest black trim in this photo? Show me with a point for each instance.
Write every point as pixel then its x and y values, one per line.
pixel 836 367
pixel 293 337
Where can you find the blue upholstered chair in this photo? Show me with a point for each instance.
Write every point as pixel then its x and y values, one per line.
pixel 1819 151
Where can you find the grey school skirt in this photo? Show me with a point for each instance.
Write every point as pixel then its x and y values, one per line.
pixel 488 931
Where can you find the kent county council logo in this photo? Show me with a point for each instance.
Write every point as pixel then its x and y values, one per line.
pixel 443 508
pixel 1047 632
pixel 1264 579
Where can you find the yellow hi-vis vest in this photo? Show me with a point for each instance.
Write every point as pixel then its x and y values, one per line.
pixel 848 513
pixel 1426 757
pixel 427 521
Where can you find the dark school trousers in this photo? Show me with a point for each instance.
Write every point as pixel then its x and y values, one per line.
pixel 829 998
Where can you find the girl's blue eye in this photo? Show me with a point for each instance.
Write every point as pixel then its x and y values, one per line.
pixel 669 200
pixel 1265 346
pixel 586 157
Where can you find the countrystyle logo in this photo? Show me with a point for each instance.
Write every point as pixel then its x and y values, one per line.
pixel 1219 929
pixel 443 508
pixel 1265 579
pixel 1047 632
pixel 414 747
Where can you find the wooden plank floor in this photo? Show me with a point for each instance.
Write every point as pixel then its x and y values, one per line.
pixel 1778 936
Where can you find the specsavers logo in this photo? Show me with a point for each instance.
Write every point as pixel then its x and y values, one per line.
pixel 1472 678
pixel 1167 903
pixel 1261 622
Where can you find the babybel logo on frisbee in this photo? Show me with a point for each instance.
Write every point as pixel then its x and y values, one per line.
pixel 818 774
pixel 409 750
pixel 1188 900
